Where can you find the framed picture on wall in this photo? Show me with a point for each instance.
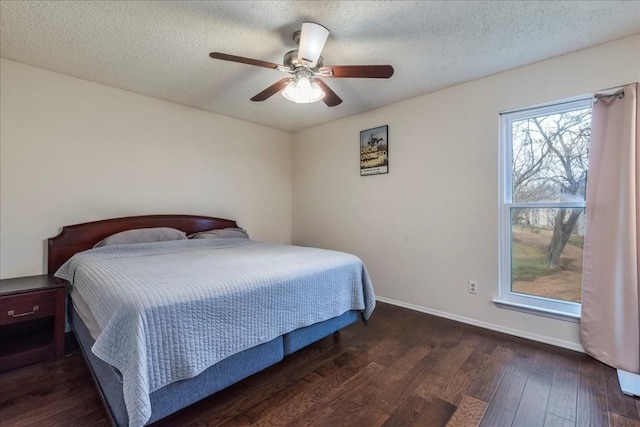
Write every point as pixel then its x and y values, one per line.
pixel 374 151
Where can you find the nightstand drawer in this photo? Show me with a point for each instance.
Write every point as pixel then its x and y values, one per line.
pixel 27 306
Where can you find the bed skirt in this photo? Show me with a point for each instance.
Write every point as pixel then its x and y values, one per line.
pixel 178 395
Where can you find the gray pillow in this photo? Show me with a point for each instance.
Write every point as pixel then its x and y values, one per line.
pixel 221 233
pixel 143 235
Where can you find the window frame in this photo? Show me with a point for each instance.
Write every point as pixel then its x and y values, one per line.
pixel 564 310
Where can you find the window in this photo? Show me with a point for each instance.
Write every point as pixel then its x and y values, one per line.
pixel 544 158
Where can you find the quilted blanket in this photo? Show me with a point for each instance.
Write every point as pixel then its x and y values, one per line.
pixel 170 310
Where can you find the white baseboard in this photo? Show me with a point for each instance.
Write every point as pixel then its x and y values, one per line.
pixel 499 328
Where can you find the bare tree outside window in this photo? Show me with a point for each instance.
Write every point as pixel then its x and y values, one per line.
pixel 549 169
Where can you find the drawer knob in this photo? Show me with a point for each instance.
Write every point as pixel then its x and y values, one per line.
pixel 13 314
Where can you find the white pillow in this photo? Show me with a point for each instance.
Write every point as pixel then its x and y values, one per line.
pixel 221 233
pixel 142 235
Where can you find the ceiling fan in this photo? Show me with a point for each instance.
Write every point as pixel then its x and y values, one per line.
pixel 306 66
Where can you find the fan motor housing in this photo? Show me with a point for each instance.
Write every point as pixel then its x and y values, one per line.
pixel 291 60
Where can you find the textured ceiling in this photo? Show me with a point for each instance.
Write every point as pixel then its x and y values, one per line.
pixel 160 48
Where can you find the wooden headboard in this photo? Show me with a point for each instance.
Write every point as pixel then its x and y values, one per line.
pixel 79 237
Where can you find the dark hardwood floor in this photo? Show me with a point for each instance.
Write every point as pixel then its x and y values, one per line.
pixel 404 369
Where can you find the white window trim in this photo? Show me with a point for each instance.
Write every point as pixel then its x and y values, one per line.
pixel 558 309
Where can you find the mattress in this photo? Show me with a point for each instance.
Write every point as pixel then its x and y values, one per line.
pixel 83 311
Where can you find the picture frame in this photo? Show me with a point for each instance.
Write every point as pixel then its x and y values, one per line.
pixel 374 151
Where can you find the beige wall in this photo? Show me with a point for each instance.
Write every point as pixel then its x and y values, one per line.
pixel 430 225
pixel 74 151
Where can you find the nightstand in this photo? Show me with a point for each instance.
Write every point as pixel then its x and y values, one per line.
pixel 31 320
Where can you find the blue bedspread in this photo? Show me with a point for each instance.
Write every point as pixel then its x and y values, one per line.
pixel 170 310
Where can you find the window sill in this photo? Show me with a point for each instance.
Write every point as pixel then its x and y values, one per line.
pixel 554 314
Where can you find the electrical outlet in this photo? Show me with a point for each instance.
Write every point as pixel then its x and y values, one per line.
pixel 473 287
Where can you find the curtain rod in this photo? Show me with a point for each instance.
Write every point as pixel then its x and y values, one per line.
pixel 599 96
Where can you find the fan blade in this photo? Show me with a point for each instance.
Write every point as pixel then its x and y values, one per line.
pixel 271 90
pixel 330 97
pixel 233 58
pixel 312 39
pixel 367 71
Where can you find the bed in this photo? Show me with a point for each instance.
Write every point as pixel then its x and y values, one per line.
pixel 165 324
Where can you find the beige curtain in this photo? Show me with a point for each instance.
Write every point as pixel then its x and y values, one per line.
pixel 610 321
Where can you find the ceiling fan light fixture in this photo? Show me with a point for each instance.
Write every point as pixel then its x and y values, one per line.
pixel 303 90
pixel 307 66
pixel 312 39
